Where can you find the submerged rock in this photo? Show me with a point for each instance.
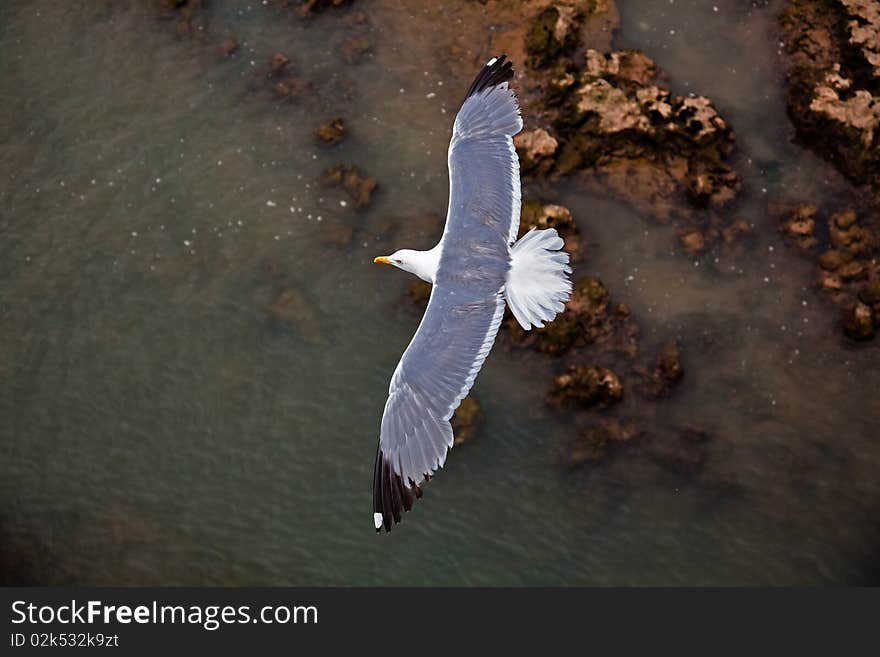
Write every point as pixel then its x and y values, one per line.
pixel 354 48
pixel 663 373
pixel 591 446
pixel 291 308
pixel 466 421
pixel 331 132
pixel 797 224
pixel 859 321
pixel 848 261
pixel 586 386
pixel 278 63
pixel 845 233
pixel 289 88
pixel 832 259
pixel 693 240
pixel 336 233
pixel 277 75
pixel 229 45
pixel 359 188
pixel 596 441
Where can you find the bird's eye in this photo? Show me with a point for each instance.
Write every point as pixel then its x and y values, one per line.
pixel 399 262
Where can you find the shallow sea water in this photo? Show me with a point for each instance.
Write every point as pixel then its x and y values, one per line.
pixel 157 426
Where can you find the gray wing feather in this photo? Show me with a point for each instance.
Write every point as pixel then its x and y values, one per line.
pixel 466 306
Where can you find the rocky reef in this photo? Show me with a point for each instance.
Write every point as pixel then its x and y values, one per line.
pixel 846 251
pixel 832 50
pixel 614 120
pixel 607 378
pixel 605 116
pixel 833 58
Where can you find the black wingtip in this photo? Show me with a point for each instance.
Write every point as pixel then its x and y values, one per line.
pixel 391 496
pixel 496 71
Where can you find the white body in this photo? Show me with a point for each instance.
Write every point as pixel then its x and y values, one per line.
pixel 537 284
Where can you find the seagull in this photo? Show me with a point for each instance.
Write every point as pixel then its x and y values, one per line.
pixel 476 269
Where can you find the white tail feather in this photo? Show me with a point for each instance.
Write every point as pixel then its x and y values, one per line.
pixel 537 284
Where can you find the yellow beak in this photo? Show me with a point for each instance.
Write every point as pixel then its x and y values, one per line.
pixel 382 260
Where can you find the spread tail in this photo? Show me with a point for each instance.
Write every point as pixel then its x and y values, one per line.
pixel 537 284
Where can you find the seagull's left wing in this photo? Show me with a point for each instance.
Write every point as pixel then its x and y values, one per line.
pixel 466 307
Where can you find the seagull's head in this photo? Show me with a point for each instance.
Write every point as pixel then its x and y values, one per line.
pixel 400 259
pixel 421 263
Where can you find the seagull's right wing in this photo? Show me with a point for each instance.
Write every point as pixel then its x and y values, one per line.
pixel 466 307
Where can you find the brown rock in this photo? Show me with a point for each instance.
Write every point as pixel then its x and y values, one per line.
pixel 845 232
pixel 289 88
pixel 663 373
pixel 832 259
pixel 229 45
pixel 354 48
pixel 692 240
pixel 736 230
pixel 858 322
pixel 594 442
pixel 591 446
pixel 852 270
pixel 844 219
pixel 829 282
pixel 359 188
pixel 331 132
pixel 832 97
pixel 586 386
pixel 613 119
pixel 798 224
pixel 554 33
pixel 278 64
pixel 535 148
pixel 629 66
pixel 335 233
